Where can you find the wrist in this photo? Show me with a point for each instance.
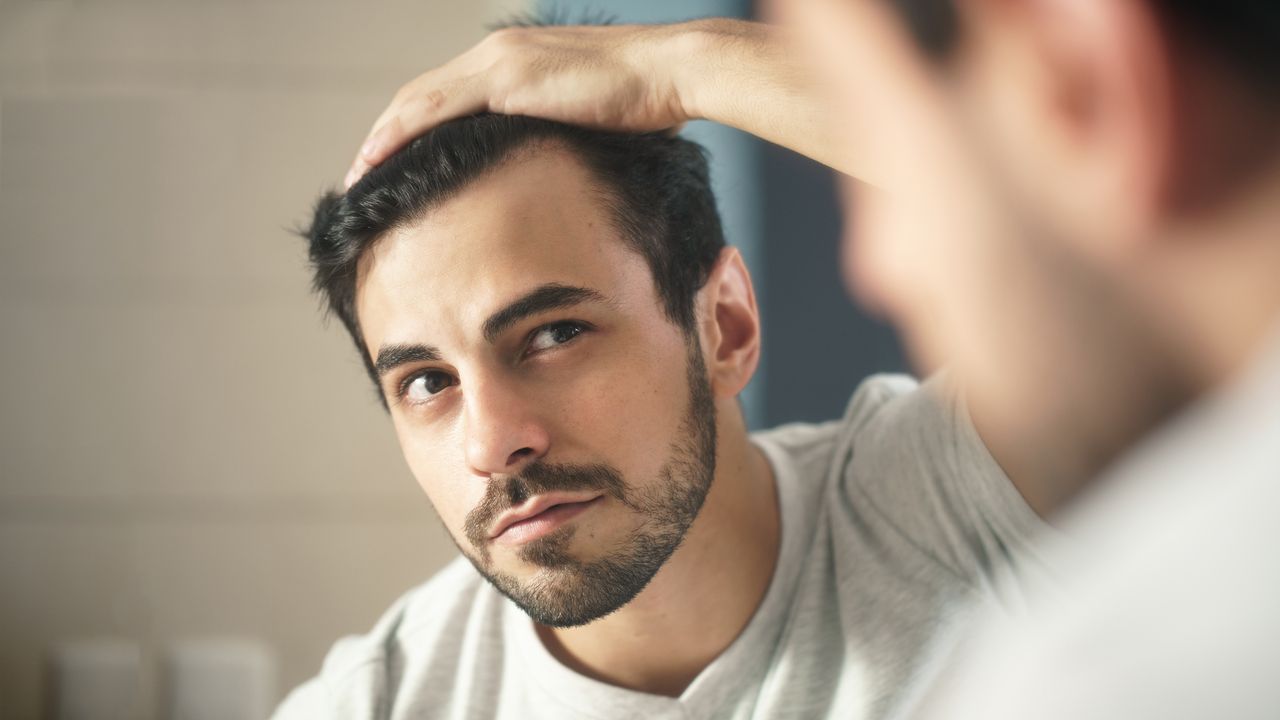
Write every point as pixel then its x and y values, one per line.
pixel 694 50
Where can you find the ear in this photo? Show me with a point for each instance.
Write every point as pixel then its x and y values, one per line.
pixel 729 325
pixel 1079 93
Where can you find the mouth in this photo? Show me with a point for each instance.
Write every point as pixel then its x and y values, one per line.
pixel 539 516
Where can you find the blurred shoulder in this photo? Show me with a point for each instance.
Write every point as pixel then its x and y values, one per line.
pixel 863 412
pixel 422 634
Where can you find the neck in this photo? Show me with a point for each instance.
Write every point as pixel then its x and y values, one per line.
pixel 1185 314
pixel 705 594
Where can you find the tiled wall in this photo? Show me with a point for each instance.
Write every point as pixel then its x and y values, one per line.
pixel 185 450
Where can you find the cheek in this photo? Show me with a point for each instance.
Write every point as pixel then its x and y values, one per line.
pixel 626 410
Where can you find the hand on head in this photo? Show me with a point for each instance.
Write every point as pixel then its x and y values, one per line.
pixel 604 77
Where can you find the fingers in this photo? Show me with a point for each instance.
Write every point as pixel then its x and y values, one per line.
pixel 573 75
pixel 416 112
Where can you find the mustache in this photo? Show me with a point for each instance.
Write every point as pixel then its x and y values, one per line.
pixel 508 491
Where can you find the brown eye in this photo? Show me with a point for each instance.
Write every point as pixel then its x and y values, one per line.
pixel 555 334
pixel 425 385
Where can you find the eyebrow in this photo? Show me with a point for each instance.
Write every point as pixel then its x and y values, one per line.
pixel 543 298
pixel 391 357
pixel 546 297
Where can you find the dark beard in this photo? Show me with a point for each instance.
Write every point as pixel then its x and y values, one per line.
pixel 574 592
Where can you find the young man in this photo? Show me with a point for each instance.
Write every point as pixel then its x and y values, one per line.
pixel 559 333
pixel 1081 220
pixel 1115 167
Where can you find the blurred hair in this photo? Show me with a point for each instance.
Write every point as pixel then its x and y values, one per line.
pixel 1246 32
pixel 934 24
pixel 655 187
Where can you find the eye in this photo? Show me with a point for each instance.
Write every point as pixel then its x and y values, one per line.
pixel 425 385
pixel 550 336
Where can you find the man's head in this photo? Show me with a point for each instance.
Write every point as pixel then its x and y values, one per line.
pixel 551 317
pixel 1075 211
pixel 656 189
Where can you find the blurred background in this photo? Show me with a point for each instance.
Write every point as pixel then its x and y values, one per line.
pixel 198 491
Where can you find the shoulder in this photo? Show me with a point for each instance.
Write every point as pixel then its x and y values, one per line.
pixel 879 403
pixel 817 449
pixel 895 423
pixel 882 392
pixel 422 633
pixel 905 471
pixel 918 474
pixel 888 405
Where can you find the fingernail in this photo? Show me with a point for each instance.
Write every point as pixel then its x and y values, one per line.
pixel 370 146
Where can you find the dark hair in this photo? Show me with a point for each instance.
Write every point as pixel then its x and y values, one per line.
pixel 656 188
pixel 1245 32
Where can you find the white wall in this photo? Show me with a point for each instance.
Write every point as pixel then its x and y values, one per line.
pixel 185 450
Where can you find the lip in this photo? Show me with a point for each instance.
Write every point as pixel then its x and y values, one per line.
pixel 540 515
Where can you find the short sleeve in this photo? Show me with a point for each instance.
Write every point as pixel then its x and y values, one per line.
pixel 917 471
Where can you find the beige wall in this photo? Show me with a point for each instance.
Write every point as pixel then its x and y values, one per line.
pixel 184 449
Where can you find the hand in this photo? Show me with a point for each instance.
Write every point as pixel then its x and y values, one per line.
pixel 615 77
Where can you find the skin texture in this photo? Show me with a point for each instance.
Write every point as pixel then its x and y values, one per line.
pixel 617 395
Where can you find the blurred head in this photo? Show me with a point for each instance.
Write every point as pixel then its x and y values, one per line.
pixel 551 318
pixel 1075 199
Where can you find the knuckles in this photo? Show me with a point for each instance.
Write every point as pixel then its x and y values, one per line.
pixel 433 99
pixel 504 41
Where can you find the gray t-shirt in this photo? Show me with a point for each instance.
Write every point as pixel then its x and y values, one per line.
pixel 893 518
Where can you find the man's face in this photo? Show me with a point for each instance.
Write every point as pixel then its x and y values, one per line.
pixel 561 425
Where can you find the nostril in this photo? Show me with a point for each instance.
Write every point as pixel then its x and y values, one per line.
pixel 521 454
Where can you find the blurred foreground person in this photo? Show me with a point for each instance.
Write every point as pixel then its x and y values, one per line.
pixel 1079 212
pixel 1085 221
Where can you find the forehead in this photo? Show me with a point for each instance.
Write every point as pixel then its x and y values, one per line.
pixel 538 218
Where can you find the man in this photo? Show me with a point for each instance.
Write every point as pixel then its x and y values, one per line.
pixel 1082 222
pixel 559 333
pixel 1124 158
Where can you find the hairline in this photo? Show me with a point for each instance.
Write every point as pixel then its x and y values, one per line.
pixel 603 191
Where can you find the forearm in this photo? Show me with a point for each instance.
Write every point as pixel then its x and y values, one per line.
pixel 638 78
pixel 751 77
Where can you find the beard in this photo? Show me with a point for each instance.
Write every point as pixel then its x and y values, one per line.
pixel 569 591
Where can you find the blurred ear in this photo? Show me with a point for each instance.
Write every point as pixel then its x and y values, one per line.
pixel 729 325
pixel 1077 99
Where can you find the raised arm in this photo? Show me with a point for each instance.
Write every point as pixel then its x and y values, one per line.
pixel 629 77
pixel 746 75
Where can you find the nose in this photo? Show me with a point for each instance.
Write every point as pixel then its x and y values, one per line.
pixel 503 432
